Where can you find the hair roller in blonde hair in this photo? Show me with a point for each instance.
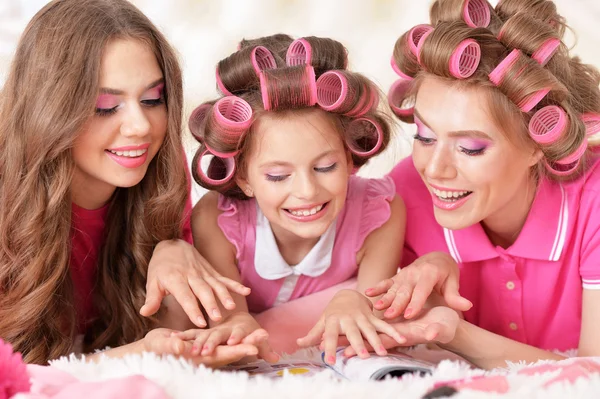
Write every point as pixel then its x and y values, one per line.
pixel 476 13
pixel 543 54
pixel 497 76
pixel 397 97
pixel 409 45
pixel 576 155
pixel 548 124
pixel 592 123
pixel 465 59
pixel 364 136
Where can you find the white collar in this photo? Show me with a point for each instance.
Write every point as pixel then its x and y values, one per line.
pixel 269 263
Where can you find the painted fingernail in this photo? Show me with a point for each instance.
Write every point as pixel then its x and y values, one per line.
pixel 195 349
pixel 331 359
pixel 389 312
pixel 364 351
pixel 379 303
pixel 408 312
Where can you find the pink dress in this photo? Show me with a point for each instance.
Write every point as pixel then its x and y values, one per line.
pixel 366 209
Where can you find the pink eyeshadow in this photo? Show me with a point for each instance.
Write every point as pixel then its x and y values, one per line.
pixel 156 92
pixel 106 101
pixel 474 144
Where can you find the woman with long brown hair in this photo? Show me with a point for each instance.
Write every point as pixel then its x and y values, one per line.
pixel 93 188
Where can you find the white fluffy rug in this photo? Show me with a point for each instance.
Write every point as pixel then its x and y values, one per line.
pixel 182 380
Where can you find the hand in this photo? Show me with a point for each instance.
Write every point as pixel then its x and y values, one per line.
pixel 237 328
pixel 349 313
pixel 408 290
pixel 437 324
pixel 162 341
pixel 178 269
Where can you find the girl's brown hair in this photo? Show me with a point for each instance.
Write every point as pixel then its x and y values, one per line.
pixel 48 96
pixel 285 89
pixel 514 24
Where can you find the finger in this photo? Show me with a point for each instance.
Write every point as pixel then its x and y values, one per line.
pixel 256 337
pixel 186 298
pixel 154 297
pixel 387 342
pixel 234 286
pixel 266 352
pixel 313 337
pixel 388 329
pixel 215 339
pixel 200 342
pixel 452 296
pixel 432 331
pixel 401 299
pixel 222 292
pixel 370 334
pixel 386 299
pixel 188 335
pixel 225 354
pixel 420 293
pixel 236 336
pixel 205 294
pixel 330 339
pixel 380 288
pixel 355 338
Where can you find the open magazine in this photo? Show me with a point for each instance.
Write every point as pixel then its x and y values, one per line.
pixel 375 367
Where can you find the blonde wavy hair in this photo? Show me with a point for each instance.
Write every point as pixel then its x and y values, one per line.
pixel 525 25
pixel 48 96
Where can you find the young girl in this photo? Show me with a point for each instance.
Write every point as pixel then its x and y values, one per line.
pixel 93 185
pixel 502 184
pixel 288 217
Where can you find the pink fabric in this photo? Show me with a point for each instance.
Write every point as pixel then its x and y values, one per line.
pixel 87 237
pixel 49 382
pixel 294 319
pixel 366 209
pixel 532 291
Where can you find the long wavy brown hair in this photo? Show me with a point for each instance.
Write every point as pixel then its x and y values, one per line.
pixel 48 96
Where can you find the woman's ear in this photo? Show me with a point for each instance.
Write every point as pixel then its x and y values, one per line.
pixel 536 157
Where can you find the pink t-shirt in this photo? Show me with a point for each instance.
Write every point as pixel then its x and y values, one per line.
pixel 366 209
pixel 87 237
pixel 532 291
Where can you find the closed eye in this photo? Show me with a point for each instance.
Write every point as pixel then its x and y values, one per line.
pixel 106 111
pixel 327 169
pixel 423 140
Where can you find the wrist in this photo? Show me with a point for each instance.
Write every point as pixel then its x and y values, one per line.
pixel 456 344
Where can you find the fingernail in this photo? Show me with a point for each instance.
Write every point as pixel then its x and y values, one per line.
pixel 200 322
pixel 364 351
pixel 379 303
pixel 195 349
pixel 229 303
pixel 382 349
pixel 407 313
pixel 389 312
pixel 216 313
pixel 401 339
pixel 331 359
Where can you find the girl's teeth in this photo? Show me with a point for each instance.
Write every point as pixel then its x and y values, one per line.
pixel 307 212
pixel 130 153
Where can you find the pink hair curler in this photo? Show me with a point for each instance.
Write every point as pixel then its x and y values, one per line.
pixel 548 124
pixel 366 103
pixel 198 117
pixel 396 97
pixel 374 134
pixel 221 154
pixel 220 84
pixel 398 71
pixel 233 114
pixel 465 59
pixel 262 59
pixel 498 73
pixel 476 13
pixel 543 54
pixel 312 83
pixel 332 90
pixel 415 35
pixel 562 170
pixel 529 102
pixel 592 123
pixel 576 155
pixel 228 164
pixel 299 53
pixel 420 44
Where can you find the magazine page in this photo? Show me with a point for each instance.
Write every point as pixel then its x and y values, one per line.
pixel 378 367
pixel 305 363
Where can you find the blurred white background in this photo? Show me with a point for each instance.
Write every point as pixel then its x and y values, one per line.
pixel 205 31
